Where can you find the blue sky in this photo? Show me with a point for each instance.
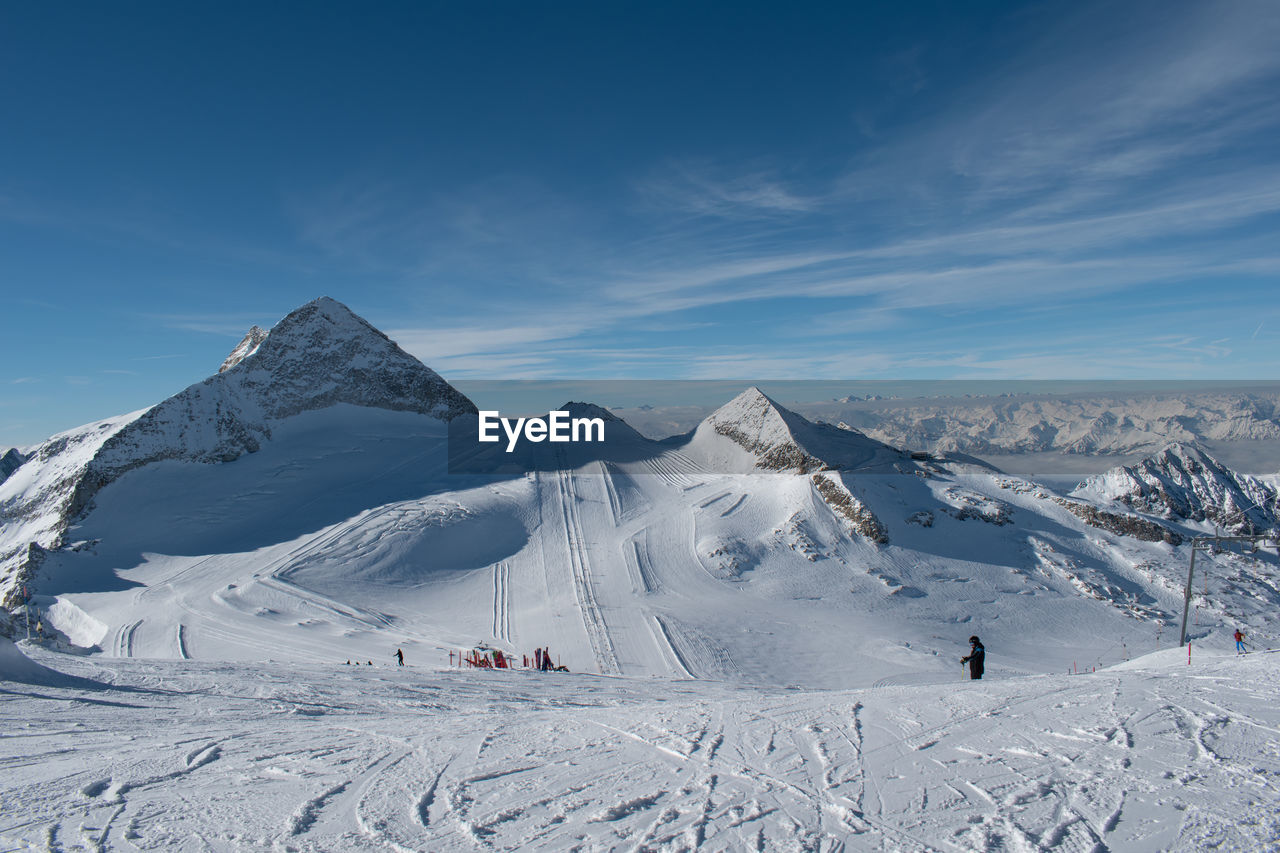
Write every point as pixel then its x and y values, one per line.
pixel 638 190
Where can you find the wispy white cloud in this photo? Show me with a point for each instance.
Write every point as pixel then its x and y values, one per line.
pixel 1068 174
pixel 704 189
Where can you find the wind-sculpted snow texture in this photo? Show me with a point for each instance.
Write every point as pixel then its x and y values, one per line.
pixel 1187 483
pixel 318 356
pixel 1152 756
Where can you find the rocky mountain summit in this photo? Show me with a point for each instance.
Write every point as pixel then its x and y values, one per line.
pixel 1182 482
pixel 320 355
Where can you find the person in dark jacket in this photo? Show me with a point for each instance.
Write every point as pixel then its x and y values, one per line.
pixel 975 658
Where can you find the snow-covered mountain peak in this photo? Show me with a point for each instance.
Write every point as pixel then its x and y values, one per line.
pixel 751 403
pixel 322 329
pixel 755 415
pixel 320 355
pixel 1183 481
pixel 248 346
pixel 760 426
pixel 778 439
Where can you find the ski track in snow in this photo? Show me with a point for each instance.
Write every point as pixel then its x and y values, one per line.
pixel 197 755
pixel 580 568
pixel 502 602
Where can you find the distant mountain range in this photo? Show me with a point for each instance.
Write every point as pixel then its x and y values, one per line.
pixel 1097 425
pixel 1076 424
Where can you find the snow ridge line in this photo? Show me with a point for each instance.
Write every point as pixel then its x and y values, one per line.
pixel 580 567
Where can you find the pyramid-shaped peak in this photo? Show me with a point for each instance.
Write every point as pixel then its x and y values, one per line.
pixel 752 394
pixel 326 316
pixel 783 440
pixel 324 353
pixel 756 415
pixel 750 404
pixel 320 355
pixel 324 342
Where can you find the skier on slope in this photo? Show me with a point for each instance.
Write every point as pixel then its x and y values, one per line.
pixel 1239 641
pixel 975 658
pixel 400 656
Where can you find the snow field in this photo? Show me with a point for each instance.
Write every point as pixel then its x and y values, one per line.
pixel 344 538
pixel 1155 755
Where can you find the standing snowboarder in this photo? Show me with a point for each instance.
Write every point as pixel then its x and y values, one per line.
pixel 546 658
pixel 537 659
pixel 400 656
pixel 975 658
pixel 1239 641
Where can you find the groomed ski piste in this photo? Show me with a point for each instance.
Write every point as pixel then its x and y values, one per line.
pixel 136 754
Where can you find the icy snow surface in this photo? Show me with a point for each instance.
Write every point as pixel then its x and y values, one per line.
pixel 159 755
